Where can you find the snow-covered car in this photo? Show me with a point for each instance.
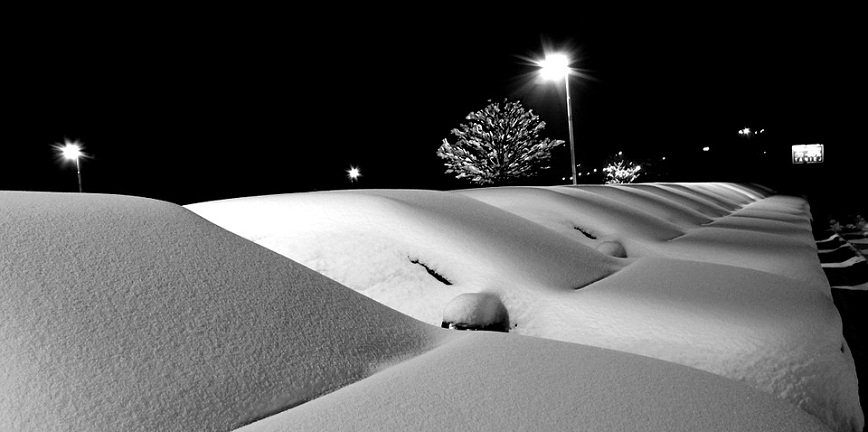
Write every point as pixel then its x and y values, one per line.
pixel 125 313
pixel 719 277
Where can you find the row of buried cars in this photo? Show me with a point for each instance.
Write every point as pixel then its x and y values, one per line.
pixel 667 307
pixel 842 250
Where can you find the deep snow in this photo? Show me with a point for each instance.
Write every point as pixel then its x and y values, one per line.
pixel 496 382
pixel 124 313
pixel 719 277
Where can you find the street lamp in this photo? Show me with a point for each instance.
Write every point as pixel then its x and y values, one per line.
pixel 555 67
pixel 72 151
pixel 353 174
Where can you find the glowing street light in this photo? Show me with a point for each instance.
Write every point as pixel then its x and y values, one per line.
pixel 353 174
pixel 72 151
pixel 747 132
pixel 554 67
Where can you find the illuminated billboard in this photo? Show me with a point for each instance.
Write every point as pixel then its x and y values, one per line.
pixel 807 153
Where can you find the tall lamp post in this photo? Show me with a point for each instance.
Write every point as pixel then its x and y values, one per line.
pixel 555 67
pixel 72 151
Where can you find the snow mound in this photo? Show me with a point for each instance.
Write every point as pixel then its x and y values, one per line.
pixel 718 276
pixel 491 381
pixel 779 335
pixel 124 313
pixel 772 234
pixel 612 248
pixel 695 202
pixel 128 314
pixel 476 311
pixel 573 212
pixel 664 208
pixel 413 251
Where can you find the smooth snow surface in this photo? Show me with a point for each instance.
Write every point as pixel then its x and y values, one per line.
pixel 495 382
pixel 720 277
pixel 128 314
pixel 380 242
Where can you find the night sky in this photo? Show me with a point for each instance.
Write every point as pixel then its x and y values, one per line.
pixel 187 106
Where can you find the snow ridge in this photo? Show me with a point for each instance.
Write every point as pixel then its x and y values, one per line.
pixel 720 277
pixel 122 313
pixel 691 307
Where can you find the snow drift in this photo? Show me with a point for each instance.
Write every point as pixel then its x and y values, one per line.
pixel 492 382
pixel 123 313
pixel 720 277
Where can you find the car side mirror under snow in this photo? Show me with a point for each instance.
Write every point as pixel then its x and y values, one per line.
pixel 476 311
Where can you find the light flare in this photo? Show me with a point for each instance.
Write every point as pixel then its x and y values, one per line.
pixel 70 150
pixel 353 173
pixel 554 66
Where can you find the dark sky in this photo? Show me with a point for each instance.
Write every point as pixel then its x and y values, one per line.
pixel 196 105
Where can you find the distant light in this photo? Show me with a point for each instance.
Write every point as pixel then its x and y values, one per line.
pixel 638 167
pixel 563 179
pixel 706 148
pixel 762 130
pixel 353 173
pixel 595 170
pixel 554 67
pixel 745 131
pixel 71 150
pixel 620 153
pixel 579 174
pixel 571 178
pixel 663 158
